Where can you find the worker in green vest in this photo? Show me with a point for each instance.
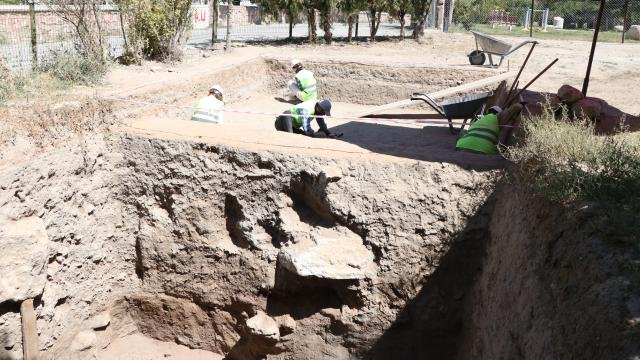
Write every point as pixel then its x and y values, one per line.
pixel 298 119
pixel 303 86
pixel 210 108
pixel 482 136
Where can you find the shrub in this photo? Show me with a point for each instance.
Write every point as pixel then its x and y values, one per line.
pixel 157 28
pixel 74 69
pixel 567 163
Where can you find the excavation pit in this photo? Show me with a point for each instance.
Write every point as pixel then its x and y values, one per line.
pixel 258 95
pixel 171 238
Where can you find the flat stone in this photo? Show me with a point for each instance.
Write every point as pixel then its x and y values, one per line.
pixel 100 321
pixel 333 254
pixel 84 340
pixel 263 325
pixel 24 249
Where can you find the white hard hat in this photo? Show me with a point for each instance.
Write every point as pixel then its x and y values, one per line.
pixel 295 62
pixel 217 88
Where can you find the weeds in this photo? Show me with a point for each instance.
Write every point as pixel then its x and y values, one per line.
pixel 75 69
pixel 567 163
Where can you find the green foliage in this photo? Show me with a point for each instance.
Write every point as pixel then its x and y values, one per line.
pixel 75 69
pixel 157 28
pixel 567 163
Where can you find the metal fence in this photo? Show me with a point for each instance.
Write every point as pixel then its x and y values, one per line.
pixel 568 19
pixel 36 33
pixel 40 34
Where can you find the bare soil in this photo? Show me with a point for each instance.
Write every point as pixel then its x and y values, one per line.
pixel 203 241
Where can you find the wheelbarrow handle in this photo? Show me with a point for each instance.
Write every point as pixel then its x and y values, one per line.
pixel 430 102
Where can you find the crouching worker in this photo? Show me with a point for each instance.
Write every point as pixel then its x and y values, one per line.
pixel 210 108
pixel 298 119
pixel 303 87
pixel 482 136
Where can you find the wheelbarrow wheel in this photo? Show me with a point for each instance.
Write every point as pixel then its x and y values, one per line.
pixel 477 57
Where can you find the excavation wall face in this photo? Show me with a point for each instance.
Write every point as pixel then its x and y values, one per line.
pixel 373 84
pixel 554 285
pixel 210 247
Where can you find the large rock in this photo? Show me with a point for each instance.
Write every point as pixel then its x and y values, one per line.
pixel 24 249
pixel 332 254
pixel 588 107
pixel 84 340
pixel 633 33
pixel 569 95
pixel 263 325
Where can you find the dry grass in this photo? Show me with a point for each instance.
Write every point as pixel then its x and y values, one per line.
pixel 567 163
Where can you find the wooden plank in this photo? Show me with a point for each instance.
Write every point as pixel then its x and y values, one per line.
pixel 30 347
pixel 442 93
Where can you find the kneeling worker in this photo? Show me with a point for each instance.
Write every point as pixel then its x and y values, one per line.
pixel 210 108
pixel 298 119
pixel 482 136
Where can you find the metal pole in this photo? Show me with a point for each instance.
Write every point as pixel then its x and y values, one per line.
pixel 625 20
pixel 585 85
pixel 511 99
pixel 34 35
pixel 515 81
pixel 229 4
pixel 533 4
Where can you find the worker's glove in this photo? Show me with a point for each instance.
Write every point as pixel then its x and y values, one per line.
pixel 331 135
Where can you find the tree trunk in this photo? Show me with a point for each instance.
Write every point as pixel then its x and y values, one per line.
pixel 350 27
pixel 326 22
pixel 290 19
pixel 418 30
pixel 214 21
pixel 311 22
pixel 401 15
pixel 372 24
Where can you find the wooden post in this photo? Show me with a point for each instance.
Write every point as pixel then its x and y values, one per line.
pixel 34 35
pixel 229 5
pixel 625 19
pixel 30 347
pixel 585 84
pixel 533 4
pixel 124 33
pixel 357 22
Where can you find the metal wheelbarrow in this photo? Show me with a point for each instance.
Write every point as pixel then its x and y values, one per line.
pixel 464 107
pixel 486 44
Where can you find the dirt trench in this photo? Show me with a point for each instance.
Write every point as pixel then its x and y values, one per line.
pixel 259 254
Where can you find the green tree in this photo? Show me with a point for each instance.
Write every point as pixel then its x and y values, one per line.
pixel 419 14
pixel 351 8
pixel 375 7
pixel 400 8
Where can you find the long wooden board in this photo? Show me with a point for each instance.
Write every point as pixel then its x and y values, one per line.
pixel 442 93
pixel 30 347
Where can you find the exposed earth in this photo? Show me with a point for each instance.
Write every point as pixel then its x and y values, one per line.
pixel 143 235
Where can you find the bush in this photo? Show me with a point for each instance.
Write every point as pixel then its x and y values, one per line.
pixel 157 28
pixel 567 163
pixel 75 69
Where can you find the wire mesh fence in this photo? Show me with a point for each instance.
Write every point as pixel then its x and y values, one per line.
pixel 33 35
pixel 567 19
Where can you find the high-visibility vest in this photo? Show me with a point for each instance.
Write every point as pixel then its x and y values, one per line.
pixel 305 109
pixel 307 84
pixel 208 109
pixel 482 136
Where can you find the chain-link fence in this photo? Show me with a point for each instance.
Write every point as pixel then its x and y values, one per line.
pixel 33 35
pixel 37 33
pixel 566 19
